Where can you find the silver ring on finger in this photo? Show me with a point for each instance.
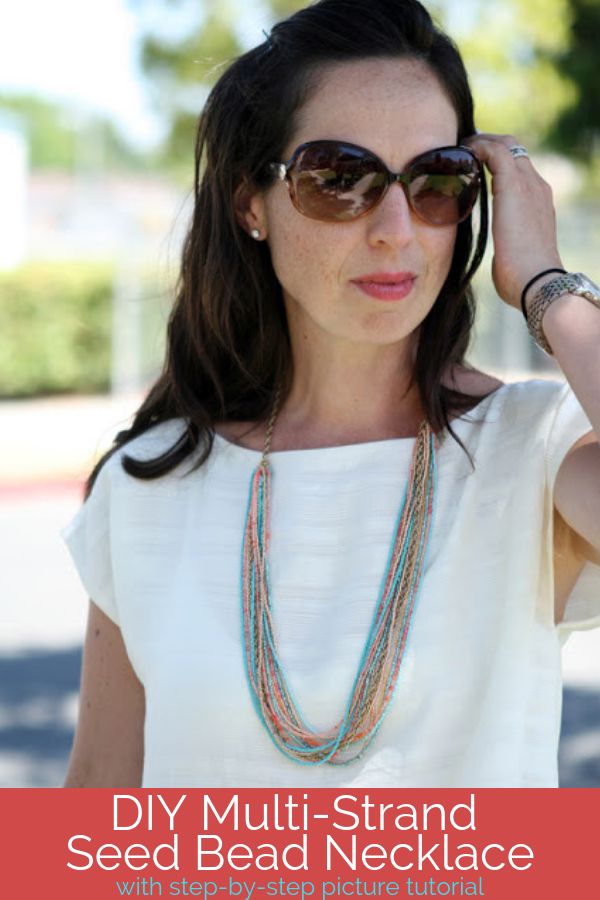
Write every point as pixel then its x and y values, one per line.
pixel 518 150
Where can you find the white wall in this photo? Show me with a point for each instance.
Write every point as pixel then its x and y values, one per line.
pixel 13 193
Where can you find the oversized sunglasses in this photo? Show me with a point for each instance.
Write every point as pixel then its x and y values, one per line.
pixel 336 182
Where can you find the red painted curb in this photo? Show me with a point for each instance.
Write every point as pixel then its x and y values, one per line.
pixel 25 490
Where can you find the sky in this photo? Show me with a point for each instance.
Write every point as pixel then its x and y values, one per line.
pixel 84 52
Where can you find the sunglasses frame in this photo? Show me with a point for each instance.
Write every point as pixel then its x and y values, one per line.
pixel 282 172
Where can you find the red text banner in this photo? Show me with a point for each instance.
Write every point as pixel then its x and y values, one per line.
pixel 315 844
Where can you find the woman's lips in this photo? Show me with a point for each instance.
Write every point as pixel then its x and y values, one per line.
pixel 382 291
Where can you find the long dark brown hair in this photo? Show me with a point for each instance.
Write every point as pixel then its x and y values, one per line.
pixel 228 345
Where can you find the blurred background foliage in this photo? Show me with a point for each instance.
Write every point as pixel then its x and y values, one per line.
pixel 54 134
pixel 55 321
pixel 534 66
pixel 60 323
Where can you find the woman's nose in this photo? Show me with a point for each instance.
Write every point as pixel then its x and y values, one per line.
pixel 392 220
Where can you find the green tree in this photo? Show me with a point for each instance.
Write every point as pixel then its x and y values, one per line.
pixel 62 138
pixel 576 129
pixel 509 51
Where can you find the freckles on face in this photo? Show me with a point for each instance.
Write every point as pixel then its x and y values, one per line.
pixel 369 103
pixel 307 253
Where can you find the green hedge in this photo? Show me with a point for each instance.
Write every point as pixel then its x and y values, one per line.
pixel 55 321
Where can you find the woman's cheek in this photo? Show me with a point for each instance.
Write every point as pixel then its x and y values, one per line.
pixel 441 258
pixel 303 265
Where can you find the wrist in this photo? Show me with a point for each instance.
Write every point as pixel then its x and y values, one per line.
pixel 562 292
pixel 529 296
pixel 539 276
pixel 552 316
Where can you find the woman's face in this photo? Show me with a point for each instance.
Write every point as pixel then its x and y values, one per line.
pixel 397 109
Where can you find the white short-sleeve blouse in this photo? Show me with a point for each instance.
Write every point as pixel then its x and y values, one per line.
pixel 478 697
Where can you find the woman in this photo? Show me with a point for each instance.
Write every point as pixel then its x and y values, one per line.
pixel 328 551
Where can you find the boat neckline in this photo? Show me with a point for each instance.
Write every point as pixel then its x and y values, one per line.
pixel 346 448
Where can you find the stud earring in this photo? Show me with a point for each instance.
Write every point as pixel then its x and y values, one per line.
pixel 255 233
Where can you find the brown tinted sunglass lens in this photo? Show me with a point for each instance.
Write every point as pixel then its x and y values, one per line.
pixel 336 182
pixel 444 186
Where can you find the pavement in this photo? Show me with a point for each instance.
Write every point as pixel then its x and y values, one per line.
pixel 55 440
pixel 49 446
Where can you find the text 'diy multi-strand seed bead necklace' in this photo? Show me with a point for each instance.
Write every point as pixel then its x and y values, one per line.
pixel 380 663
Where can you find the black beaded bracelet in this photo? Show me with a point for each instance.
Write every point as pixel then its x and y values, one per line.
pixel 529 283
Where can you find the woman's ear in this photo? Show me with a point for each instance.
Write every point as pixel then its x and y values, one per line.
pixel 250 209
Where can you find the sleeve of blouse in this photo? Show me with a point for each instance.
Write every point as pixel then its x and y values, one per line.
pixel 88 539
pixel 568 424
